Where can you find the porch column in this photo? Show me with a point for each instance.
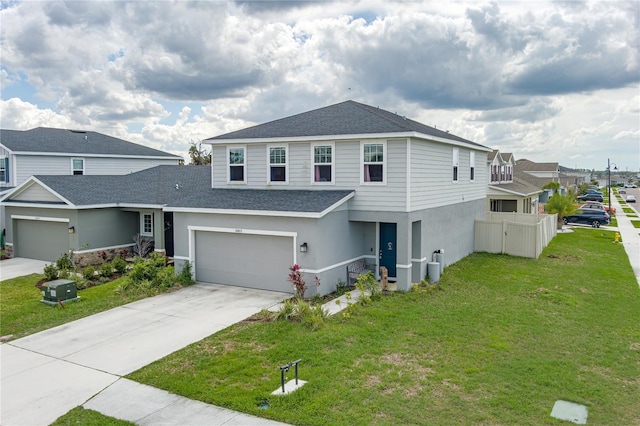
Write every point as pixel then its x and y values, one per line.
pixel 403 255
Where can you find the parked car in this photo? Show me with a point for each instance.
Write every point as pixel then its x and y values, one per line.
pixel 630 199
pixel 622 191
pixel 631 185
pixel 593 217
pixel 593 191
pixel 597 205
pixel 591 197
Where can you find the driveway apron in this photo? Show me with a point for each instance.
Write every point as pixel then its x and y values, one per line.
pixel 44 375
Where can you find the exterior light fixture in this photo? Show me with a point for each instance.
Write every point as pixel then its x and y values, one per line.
pixel 303 248
pixel 72 230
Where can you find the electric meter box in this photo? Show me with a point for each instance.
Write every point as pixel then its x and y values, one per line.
pixel 59 290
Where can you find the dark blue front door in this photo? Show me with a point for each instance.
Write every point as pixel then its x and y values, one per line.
pixel 388 247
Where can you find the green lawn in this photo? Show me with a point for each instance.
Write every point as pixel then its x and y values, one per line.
pixel 81 417
pixel 22 312
pixel 498 341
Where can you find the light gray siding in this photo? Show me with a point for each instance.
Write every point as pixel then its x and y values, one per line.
pixel 36 192
pixel 29 165
pixel 432 176
pixel 109 227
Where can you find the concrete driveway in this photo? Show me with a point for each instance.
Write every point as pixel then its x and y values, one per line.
pixel 19 266
pixel 46 374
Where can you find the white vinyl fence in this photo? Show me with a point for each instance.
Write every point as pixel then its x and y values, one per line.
pixel 517 234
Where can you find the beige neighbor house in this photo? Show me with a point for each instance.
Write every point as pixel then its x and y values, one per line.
pixel 508 191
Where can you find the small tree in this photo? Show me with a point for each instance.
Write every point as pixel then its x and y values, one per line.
pixel 198 155
pixel 562 204
pixel 553 186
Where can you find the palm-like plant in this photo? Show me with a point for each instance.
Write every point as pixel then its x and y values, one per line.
pixel 562 204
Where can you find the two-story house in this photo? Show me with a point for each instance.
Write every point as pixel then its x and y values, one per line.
pixel 321 189
pixel 508 189
pixel 50 151
pixel 327 187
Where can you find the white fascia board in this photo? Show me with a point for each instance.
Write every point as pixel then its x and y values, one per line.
pixel 360 136
pixel 141 206
pixel 337 204
pixel 82 154
pixel 6 149
pixel 306 215
pixel 27 183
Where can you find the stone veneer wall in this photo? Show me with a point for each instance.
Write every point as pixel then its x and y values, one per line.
pixel 98 257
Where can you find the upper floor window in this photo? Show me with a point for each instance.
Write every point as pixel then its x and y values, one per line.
pixel 373 162
pixel 472 166
pixel 77 166
pixel 4 170
pixel 495 173
pixel 236 164
pixel 456 163
pixel 322 163
pixel 146 224
pixel 277 164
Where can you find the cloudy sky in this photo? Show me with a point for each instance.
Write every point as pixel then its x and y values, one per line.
pixel 549 81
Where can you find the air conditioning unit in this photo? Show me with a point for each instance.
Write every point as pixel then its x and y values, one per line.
pixel 59 291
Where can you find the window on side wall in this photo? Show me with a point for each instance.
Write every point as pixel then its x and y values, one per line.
pixel 278 164
pixel 146 224
pixel 373 160
pixel 236 164
pixel 77 166
pixel 456 163
pixel 4 170
pixel 472 166
pixel 322 163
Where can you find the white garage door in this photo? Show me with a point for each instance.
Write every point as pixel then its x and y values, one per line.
pixel 42 240
pixel 245 260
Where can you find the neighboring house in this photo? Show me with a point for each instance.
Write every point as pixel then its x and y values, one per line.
pixel 50 215
pixel 538 175
pixel 321 189
pixel 571 178
pixel 508 191
pixel 49 151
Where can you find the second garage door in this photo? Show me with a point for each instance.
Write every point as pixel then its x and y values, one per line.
pixel 245 260
pixel 42 240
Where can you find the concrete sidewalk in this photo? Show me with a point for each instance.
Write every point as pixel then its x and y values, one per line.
pixel 46 374
pixel 630 236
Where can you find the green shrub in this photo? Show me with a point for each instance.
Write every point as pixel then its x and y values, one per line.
pixel 341 287
pixel 64 274
pixel 185 276
pixel 89 273
pixel 106 270
pixel 119 264
pixel 367 283
pixel 51 272
pixel 65 263
pixel 81 282
pixel 165 278
pixel 298 310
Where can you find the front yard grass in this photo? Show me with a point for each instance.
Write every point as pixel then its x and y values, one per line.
pixel 22 312
pixel 497 341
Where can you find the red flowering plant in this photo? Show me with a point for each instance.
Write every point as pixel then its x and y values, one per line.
pixel 295 278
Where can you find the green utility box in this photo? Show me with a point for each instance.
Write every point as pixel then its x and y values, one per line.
pixel 59 291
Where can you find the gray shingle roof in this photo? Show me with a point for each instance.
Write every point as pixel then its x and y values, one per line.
pixel 44 139
pixel 157 186
pixel 346 118
pixel 154 186
pixel 518 186
pixel 264 200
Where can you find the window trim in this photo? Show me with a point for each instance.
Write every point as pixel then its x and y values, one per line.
pixel 383 163
pixel 286 164
pixel 4 164
pixel 332 145
pixel 143 216
pixel 472 166
pixel 73 169
pixel 455 165
pixel 244 165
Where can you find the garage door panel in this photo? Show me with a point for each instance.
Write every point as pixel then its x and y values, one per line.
pixel 246 260
pixel 42 240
